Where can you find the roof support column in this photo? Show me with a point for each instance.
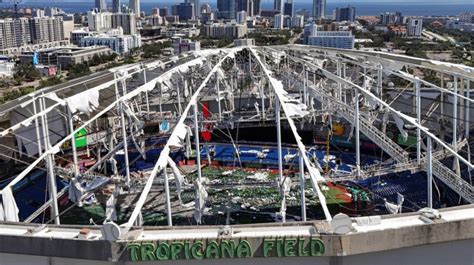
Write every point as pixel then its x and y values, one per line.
pixel 53 193
pixel 280 161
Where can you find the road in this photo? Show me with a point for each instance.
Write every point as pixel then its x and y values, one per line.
pixel 295 38
pixel 433 35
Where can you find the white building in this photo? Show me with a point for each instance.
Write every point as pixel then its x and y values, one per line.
pixel 297 21
pixel 121 44
pixel 46 29
pixel 278 21
pixel 456 24
pixel 53 11
pixel 99 21
pixel 414 26
pixel 126 21
pixel 14 35
pixel 155 20
pixel 466 17
pixel 185 32
pixel 241 17
pixel 101 5
pixel 229 30
pixel 78 34
pixel 38 12
pixel 319 9
pixel 309 30
pixel 6 69
pixel 330 39
pixel 244 42
pixel 185 45
pixel 134 5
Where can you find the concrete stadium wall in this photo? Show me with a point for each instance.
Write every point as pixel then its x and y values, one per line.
pixel 449 253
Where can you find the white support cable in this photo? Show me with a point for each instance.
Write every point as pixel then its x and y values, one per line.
pixel 418 119
pixel 396 112
pixel 70 136
pixel 429 171
pixel 50 166
pixel 402 74
pixel 280 156
pixel 198 156
pixel 441 171
pixel 302 187
pixel 315 175
pixel 162 160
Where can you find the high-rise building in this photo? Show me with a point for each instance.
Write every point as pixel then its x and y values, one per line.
pixel 185 11
pixel 163 12
pixel 229 30
pixel 14 33
pixel 288 8
pixel 134 5
pixel 101 5
pixel 226 9
pixel 185 45
pixel 245 5
pixel 98 20
pixel 319 9
pixel 256 7
pixel 388 18
pixel 331 39
pixel 414 27
pixel 206 17
pixel 241 17
pixel 119 43
pixel 466 17
pixel 53 11
pixel 345 14
pixel 278 5
pixel 126 21
pixel 39 12
pixel 278 21
pixel 106 20
pixel 297 21
pixel 206 8
pixel 196 7
pixel 116 7
pixel 310 29
pixel 46 29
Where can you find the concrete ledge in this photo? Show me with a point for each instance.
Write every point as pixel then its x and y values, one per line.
pixel 63 241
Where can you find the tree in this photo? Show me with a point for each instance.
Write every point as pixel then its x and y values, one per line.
pixel 50 81
pixel 95 60
pixel 26 72
pixel 78 70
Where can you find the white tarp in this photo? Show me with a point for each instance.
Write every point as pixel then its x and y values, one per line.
pixel 110 210
pixel 179 178
pixel 2 213
pixel 10 209
pixel 200 201
pixel 284 192
pixel 400 125
pixel 84 102
pixel 76 191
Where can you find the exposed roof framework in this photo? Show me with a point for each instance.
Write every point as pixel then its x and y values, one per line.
pixel 348 84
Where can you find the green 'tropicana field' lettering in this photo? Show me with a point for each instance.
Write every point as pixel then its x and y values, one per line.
pixel 216 249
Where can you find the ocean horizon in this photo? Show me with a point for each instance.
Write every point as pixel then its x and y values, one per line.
pixel 362 8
